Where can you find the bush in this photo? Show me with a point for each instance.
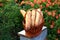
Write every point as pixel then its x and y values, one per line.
pixel 10 21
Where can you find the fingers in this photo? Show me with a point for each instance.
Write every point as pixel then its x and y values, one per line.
pixel 39 10
pixel 23 12
pixel 33 17
pixel 39 17
pixel 28 20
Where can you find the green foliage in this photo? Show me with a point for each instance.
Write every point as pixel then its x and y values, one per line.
pixel 52 0
pixel 32 0
pixel 36 6
pixel 10 21
pixel 44 4
pixel 50 8
pixel 26 7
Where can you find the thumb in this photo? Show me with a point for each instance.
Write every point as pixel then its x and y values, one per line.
pixel 23 12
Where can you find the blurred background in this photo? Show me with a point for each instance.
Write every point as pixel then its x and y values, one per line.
pixel 11 18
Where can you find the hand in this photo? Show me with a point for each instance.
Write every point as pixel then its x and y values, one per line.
pixel 33 20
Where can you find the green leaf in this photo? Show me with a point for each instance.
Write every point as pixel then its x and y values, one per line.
pixel 44 4
pixel 52 0
pixel 32 0
pixel 36 6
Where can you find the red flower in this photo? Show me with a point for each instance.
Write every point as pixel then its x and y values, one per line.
pixel 43 0
pixel 57 16
pixel 35 1
pixel 53 13
pixel 51 26
pixel 58 31
pixel 49 13
pixel 47 5
pixel 49 2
